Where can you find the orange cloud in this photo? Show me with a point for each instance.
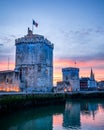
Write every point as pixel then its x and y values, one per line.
pixel 58 65
pixel 85 67
pixel 4 65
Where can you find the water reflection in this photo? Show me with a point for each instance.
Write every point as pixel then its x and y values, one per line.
pixel 89 109
pixel 71 115
pixel 76 115
pixel 32 119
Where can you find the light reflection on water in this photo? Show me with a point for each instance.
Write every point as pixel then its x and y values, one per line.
pixel 74 115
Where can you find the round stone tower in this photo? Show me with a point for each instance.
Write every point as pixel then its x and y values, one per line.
pixel 34 61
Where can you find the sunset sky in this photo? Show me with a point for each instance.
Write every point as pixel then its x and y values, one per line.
pixel 76 27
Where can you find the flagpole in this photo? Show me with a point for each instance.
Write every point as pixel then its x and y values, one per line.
pixel 8 63
pixel 32 26
pixel 75 64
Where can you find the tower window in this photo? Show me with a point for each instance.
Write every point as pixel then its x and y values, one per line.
pixel 7 80
pixel 66 77
pixel 39 68
pixel 20 74
pixel 46 71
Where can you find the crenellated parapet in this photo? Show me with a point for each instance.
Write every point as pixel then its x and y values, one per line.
pixel 33 38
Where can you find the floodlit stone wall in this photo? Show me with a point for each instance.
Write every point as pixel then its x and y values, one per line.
pixel 9 81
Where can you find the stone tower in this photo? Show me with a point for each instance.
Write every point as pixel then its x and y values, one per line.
pixel 34 62
pixel 71 75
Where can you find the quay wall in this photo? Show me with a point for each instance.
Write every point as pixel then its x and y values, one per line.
pixel 85 95
pixel 12 102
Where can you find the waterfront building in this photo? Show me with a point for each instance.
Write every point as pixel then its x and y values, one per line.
pixel 70 80
pixel 101 85
pixel 9 81
pixel 88 83
pixel 71 75
pixel 34 63
pixel 63 86
pixel 84 83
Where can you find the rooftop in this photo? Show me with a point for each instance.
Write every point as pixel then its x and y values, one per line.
pixel 7 71
pixel 70 68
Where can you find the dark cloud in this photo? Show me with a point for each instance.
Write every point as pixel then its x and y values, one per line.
pixel 87 57
pixel 7 48
pixel 12 36
pixel 82 32
pixel 5 39
pixel 82 44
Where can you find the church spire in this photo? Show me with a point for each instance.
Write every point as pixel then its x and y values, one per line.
pixel 91 75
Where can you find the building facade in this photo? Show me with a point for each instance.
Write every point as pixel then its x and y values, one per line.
pixel 63 86
pixel 84 83
pixel 88 83
pixel 9 81
pixel 101 85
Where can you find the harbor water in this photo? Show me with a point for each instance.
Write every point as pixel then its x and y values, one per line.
pixel 73 115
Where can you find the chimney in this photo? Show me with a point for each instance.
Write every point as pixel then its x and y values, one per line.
pixel 29 32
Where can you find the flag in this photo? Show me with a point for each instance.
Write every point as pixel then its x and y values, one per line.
pixel 34 23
